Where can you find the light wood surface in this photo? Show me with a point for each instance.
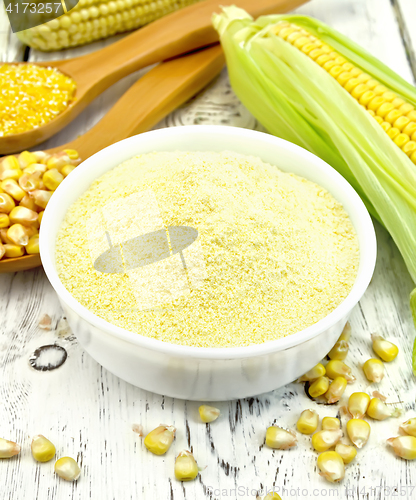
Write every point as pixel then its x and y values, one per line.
pixel 88 412
pixel 178 33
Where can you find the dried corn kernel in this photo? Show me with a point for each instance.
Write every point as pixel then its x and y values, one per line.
pixel 331 424
pixel 73 155
pixel 52 178
pixel 319 387
pixel 308 422
pixel 4 220
pixel 357 404
pixel 11 187
pixel 336 390
pixel 339 351
pixel 25 159
pixel 33 245
pixel 323 440
pixel 67 169
pixel 346 452
pixel 358 431
pixel 42 449
pixel 23 215
pixel 346 333
pixel 280 439
pixel 12 251
pixel 28 202
pixel 41 197
pixel 2 251
pixel 67 468
pixel 6 203
pixel 40 216
pixel 17 234
pixel 336 368
pixel 374 370
pixel 186 467
pixel 383 348
pixel 272 496
pixel 378 410
pixel 160 439
pixel 331 466
pixel 404 446
pixel 208 413
pixel 313 374
pixel 29 96
pixel 409 427
pixel 10 174
pixel 8 448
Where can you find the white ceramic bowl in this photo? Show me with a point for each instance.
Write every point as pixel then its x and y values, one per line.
pixel 193 372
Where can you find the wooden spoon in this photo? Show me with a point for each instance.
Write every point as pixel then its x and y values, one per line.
pixel 150 99
pixel 177 33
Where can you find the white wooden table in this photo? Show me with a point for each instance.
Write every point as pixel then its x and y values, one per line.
pixel 88 413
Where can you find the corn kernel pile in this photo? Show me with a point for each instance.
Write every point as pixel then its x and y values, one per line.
pixel 27 183
pixel 31 96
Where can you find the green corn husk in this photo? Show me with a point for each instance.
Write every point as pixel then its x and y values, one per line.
pixel 296 99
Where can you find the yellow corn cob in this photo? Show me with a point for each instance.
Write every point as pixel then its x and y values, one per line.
pixel 396 117
pixel 95 19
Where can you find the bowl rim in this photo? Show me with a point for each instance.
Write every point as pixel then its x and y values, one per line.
pixel 217 353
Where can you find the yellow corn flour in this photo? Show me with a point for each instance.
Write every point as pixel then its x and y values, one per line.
pixel 280 252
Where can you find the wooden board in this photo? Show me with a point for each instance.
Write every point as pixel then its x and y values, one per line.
pixel 88 413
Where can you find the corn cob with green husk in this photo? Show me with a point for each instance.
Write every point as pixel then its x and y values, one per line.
pixel 310 85
pixel 92 20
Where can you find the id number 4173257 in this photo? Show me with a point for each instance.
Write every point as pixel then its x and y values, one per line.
pixel 33 8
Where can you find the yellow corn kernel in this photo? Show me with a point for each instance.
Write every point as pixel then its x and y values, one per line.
pixel 280 439
pixel 11 187
pixel 2 250
pixel 67 169
pixel 41 156
pixel 413 155
pixel 41 197
pixel 17 234
pixel 35 167
pixel 404 446
pixel 52 178
pixel 336 368
pixel 401 140
pixel 28 202
pixel 384 349
pixel 366 97
pixel 294 36
pixel 339 351
pixel 10 174
pixel 397 103
pixel 412 115
pixel 359 90
pixel 308 422
pixel 374 370
pixel 386 126
pixel 208 413
pixel 357 404
pixel 372 84
pixel 308 48
pixel 336 390
pixel 40 216
pixel 379 120
pixel 321 60
pixel 314 54
pixel 4 220
pixel 376 103
pixel 409 427
pixel 67 468
pixel 319 387
pixel 186 467
pixel 272 496
pixel 323 440
pixel 364 78
pixel 371 113
pixel 389 96
pixel 409 129
pixel 335 71
pixel 378 410
pixel 23 215
pixel 394 115
pixel 25 159
pixel 346 452
pixel 314 373
pixel 409 148
pixel 401 122
pixel 393 132
pixel 6 203
pixel 380 89
pixel 8 448
pixel 279 26
pixel 358 431
pixel 160 439
pixel 33 245
pixel 288 30
pixel 344 77
pixel 30 182
pixel 331 466
pixel 13 250
pixel 329 64
pixel 11 163
pixel 384 109
pixel 331 424
pixel 73 155
pixel 42 449
pixel 3 236
pixel 302 41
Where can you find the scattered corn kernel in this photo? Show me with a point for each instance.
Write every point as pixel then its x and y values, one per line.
pixel 42 449
pixel 314 373
pixel 346 452
pixel 280 439
pixel 308 422
pixel 8 448
pixel 336 368
pixel 73 155
pixel 331 424
pixel 331 466
pixel 159 440
pixel 208 413
pixel 52 178
pixel 358 431
pixel 383 348
pixel 186 467
pixel 6 203
pixel 357 404
pixel 319 387
pixel 374 370
pixel 404 446
pixel 323 440
pixel 33 245
pixel 272 496
pixel 67 468
pixel 409 427
pixel 336 390
pixel 378 410
pixel 339 351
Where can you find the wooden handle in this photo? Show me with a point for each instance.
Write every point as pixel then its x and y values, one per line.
pixel 150 99
pixel 177 33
